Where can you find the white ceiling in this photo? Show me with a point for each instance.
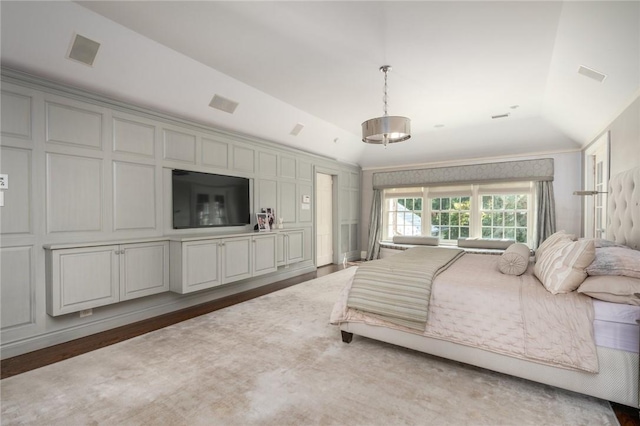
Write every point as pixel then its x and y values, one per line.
pixel 454 64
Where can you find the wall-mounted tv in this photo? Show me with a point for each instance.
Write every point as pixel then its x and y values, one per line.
pixel 202 200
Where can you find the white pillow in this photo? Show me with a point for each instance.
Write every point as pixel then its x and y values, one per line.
pixel 553 239
pixel 561 267
pixel 515 259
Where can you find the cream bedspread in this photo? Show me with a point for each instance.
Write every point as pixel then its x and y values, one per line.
pixel 473 304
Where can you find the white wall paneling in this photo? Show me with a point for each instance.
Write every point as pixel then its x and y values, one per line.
pixel 305 212
pixel 67 124
pixel 16 115
pixel 90 177
pixel 243 159
pixel 179 146
pixel 305 170
pixel 267 195
pixel 268 164
pixel 17 298
pixel 134 200
pixel 287 167
pixel 215 153
pixel 15 216
pixel 288 201
pixel 133 137
pixel 74 193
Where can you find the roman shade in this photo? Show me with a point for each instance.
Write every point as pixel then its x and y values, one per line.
pixel 508 171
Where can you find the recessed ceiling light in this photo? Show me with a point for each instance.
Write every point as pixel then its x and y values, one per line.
pixel 223 104
pixel 297 129
pixel 591 73
pixel 83 50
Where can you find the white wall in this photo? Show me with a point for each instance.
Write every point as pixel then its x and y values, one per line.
pixel 567 167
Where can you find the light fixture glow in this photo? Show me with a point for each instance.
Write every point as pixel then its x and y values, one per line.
pixel 388 128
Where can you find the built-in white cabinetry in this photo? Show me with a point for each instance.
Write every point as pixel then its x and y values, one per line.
pixel 199 263
pixel 290 247
pixel 195 265
pixel 81 278
pixel 264 254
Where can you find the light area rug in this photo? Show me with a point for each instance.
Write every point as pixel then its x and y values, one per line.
pixel 276 360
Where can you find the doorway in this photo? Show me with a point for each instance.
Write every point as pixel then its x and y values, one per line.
pixel 324 219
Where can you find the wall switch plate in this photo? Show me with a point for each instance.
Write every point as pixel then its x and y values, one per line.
pixel 86 313
pixel 4 181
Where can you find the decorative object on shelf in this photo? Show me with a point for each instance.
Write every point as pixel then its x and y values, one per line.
pixel 271 216
pixel 263 222
pixel 280 225
pixel 388 128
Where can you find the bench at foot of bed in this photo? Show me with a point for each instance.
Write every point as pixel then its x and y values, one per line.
pixel 346 336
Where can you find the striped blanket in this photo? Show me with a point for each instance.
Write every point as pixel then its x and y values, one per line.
pixel 398 288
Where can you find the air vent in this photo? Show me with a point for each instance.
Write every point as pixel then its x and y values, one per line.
pixel 500 116
pixel 223 104
pixel 83 50
pixel 297 129
pixel 591 73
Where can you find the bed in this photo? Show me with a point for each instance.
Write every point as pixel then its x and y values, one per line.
pixel 595 351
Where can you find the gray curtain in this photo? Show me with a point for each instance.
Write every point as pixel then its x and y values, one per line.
pixel 373 250
pixel 546 214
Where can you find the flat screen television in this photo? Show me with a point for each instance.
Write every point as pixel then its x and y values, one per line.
pixel 202 200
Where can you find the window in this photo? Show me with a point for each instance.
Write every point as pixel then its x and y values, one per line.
pixel 493 211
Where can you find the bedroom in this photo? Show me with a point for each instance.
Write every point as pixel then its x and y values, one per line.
pixel 560 114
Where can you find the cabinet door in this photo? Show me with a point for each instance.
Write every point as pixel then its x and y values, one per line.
pixel 264 254
pixel 236 259
pixel 144 269
pixel 200 266
pixel 82 278
pixel 280 248
pixel 295 246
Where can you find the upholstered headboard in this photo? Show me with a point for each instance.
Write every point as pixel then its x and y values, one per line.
pixel 624 208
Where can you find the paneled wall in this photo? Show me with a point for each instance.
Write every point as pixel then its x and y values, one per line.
pixel 86 169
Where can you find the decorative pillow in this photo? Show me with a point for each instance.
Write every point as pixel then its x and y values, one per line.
pixel 616 261
pixel 515 259
pixel 484 243
pixel 561 268
pixel 617 289
pixel 552 240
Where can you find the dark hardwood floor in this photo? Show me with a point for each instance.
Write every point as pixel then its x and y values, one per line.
pixel 627 416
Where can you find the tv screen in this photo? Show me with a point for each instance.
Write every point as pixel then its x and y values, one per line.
pixel 203 200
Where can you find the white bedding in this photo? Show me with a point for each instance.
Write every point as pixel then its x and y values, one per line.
pixel 473 304
pixel 615 326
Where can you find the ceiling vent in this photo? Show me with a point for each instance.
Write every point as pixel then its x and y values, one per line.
pixel 83 50
pixel 500 116
pixel 592 74
pixel 297 129
pixel 223 104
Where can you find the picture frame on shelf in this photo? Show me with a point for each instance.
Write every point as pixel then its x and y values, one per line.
pixel 263 222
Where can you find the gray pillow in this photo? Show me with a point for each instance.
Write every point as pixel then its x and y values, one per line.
pixel 515 259
pixel 418 240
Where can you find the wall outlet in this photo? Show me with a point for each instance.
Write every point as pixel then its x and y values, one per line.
pixel 86 313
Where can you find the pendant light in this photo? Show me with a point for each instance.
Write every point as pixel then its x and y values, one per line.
pixel 388 128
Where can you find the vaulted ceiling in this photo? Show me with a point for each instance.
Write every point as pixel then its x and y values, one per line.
pixel 455 65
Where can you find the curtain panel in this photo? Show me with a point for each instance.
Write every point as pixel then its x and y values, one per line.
pixel 508 171
pixel 375 229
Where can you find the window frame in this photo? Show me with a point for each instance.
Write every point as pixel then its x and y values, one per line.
pixel 474 191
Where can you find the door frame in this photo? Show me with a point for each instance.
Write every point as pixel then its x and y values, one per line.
pixel 588 202
pixel 334 212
